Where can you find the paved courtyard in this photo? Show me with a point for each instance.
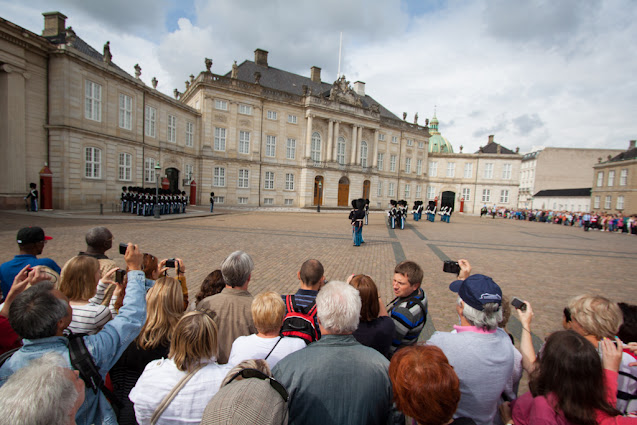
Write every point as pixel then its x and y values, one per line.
pixel 542 263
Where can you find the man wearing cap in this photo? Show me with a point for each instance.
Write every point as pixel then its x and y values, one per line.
pixel 31 241
pixel 479 351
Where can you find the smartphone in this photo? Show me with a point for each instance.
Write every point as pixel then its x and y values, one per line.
pixel 119 275
pixel 518 304
pixel 122 248
pixel 170 263
pixel 451 267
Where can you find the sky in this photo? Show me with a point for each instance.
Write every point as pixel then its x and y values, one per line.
pixel 534 73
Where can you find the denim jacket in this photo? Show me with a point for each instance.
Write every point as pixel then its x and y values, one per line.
pixel 105 347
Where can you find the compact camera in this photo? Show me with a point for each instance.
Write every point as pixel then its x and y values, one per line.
pixel 518 304
pixel 451 267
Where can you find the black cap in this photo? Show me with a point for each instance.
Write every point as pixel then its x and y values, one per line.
pixel 31 235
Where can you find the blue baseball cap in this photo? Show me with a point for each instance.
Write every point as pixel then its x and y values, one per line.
pixel 477 290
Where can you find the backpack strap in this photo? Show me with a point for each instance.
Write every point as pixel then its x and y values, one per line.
pixel 310 309
pixel 277 343
pixel 7 355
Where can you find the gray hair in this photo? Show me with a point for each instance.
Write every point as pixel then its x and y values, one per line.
pixel 36 312
pixel 258 364
pixel 338 306
pixel 39 393
pixel 487 319
pixel 97 237
pixel 236 268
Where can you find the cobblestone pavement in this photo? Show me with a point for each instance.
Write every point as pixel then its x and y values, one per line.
pixel 543 263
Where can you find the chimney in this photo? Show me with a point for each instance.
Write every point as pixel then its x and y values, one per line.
pixel 490 139
pixel 261 57
pixel 54 24
pixel 359 88
pixel 631 144
pixel 315 74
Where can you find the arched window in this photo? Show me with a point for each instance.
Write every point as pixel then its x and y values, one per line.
pixel 316 147
pixel 340 151
pixel 364 154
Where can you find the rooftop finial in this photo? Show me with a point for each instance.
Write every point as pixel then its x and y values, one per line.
pixel 208 63
pixel 107 52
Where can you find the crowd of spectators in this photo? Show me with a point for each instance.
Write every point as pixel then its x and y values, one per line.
pixel 224 358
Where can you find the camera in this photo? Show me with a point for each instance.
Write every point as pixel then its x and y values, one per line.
pixel 119 275
pixel 518 304
pixel 122 248
pixel 451 267
pixel 170 263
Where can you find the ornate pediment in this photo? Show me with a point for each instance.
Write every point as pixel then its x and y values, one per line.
pixel 341 91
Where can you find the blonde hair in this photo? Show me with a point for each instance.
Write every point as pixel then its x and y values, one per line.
pixel 597 316
pixel 268 311
pixel 194 340
pixel 77 280
pixel 164 307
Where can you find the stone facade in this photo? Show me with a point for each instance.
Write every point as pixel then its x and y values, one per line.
pixel 615 183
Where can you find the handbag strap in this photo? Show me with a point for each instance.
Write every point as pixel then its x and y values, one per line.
pixel 277 343
pixel 171 395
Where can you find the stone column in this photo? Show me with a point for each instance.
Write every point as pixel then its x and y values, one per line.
pixel 375 144
pixel 337 125
pixel 330 140
pixel 308 139
pixel 352 159
pixel 359 144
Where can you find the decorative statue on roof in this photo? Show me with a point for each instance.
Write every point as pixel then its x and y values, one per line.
pixel 107 52
pixel 416 118
pixel 154 81
pixel 70 36
pixel 235 71
pixel 342 92
pixel 257 77
pixel 176 93
pixel 404 116
pixel 208 63
pixel 138 71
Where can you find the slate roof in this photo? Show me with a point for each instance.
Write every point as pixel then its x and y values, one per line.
pixel 289 82
pixel 493 148
pixel 625 156
pixel 585 192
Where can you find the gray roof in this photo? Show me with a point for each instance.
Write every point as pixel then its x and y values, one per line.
pixel 493 148
pixel 625 156
pixel 285 81
pixel 584 192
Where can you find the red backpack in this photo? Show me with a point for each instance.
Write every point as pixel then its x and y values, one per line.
pixel 299 321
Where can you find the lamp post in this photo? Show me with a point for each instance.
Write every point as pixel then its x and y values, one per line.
pixel 318 204
pixel 157 170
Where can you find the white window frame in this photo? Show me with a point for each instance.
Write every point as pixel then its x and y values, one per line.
pixel 340 151
pixel 468 170
pixel 381 136
pixel 292 119
pixel 243 178
pixel 379 189
pixel 245 109
pixel 363 154
pixel 270 146
pixel 391 190
pixel 486 195
pixel 394 139
pixel 268 201
pixel 504 196
pixel 410 142
pixel 611 178
pixel 150 121
pixel 290 148
pixel 172 128
pixel 600 178
pixel 620 202
pixel 381 159
pixel 220 139
pixel 244 142
pixel 392 163
pixel 596 202
pixel 289 181
pixel 125 166
pixel 92 162
pixel 433 168
pixel 219 177
pixel 418 191
pixel 189 171
pixel 315 148
pixel 407 165
pixel 272 115
pixel 421 144
pixel 431 192
pixel 451 169
pixel 488 170
pixel 407 190
pixel 125 112
pixel 221 104
pixel 219 199
pixel 506 171
pixel 608 201
pixel 93 101
pixel 190 134
pixel 418 168
pixel 466 193
pixel 623 177
pixel 149 170
pixel 268 180
pixel 243 200
pixel 288 201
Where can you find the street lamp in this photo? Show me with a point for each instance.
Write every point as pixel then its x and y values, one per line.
pixel 157 170
pixel 318 204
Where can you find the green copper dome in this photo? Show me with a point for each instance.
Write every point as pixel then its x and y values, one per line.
pixel 437 143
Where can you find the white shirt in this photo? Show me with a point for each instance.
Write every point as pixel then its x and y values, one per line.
pixel 256 347
pixel 160 377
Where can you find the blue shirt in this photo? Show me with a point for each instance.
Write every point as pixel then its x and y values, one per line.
pixel 10 269
pixel 105 347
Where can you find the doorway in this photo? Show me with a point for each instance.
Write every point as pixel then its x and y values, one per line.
pixel 448 198
pixel 318 190
pixel 366 186
pixel 343 192
pixel 172 174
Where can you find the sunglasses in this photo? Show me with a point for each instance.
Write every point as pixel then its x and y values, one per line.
pixel 254 373
pixel 567 314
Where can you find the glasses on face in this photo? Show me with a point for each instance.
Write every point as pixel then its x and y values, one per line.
pixel 254 373
pixel 567 314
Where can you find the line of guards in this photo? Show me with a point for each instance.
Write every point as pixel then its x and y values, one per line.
pixel 397 214
pixel 143 201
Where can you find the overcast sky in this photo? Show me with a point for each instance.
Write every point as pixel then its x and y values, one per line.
pixel 534 73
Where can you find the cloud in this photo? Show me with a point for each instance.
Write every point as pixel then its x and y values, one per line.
pixel 527 123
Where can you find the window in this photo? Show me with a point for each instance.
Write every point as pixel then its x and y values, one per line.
pixel 290 149
pixel 244 142
pixel 288 202
pixel 394 139
pixel 466 193
pixel 190 131
pixel 268 182
pixel 407 165
pixel 125 112
pixel 600 178
pixel 392 163
pixel 596 202
pixel 243 200
pixel 421 145
pixel 381 159
pixel 220 139
pixel 486 195
pixel 381 136
pixel 270 146
pixel 189 171
pixel 419 167
pixel 292 119
pixel 451 169
pixel 125 160
pixel 607 202
pixel 151 117
pixel 504 196
pixel 379 189
pixel 620 203
pixel 242 181
pixel 431 192
pixel 93 101
pixel 391 189
pixel 268 201
pixel 364 154
pixel 340 151
pixel 410 142
pixel 433 168
pixel 245 109
pixel 272 115
pixel 488 171
pixel 172 128
pixel 219 177
pixel 468 170
pixel 611 178
pixel 93 169
pixel 222 105
pixel 506 171
pixel 289 181
pixel 315 153
pixel 407 190
pixel 623 177
pixel 149 170
pixel 418 191
pixel 219 199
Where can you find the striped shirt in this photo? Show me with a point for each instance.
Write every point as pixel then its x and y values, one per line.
pixel 409 319
pixel 90 318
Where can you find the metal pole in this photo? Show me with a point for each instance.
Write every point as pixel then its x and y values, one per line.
pixel 157 191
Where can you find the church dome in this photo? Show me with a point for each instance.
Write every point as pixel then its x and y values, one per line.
pixel 437 143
